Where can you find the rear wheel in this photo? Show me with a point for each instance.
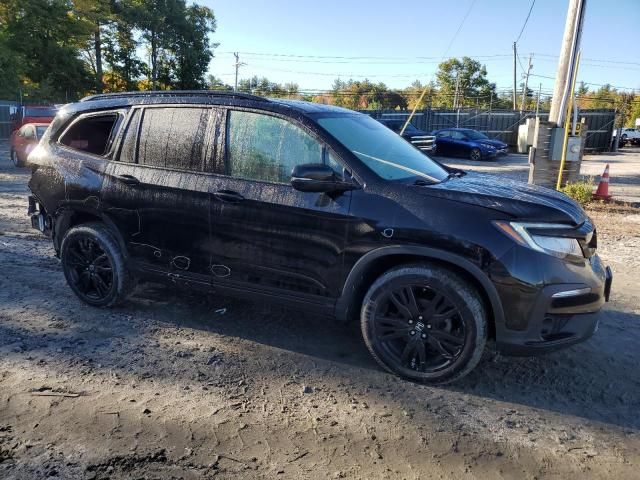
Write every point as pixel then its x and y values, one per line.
pixel 94 266
pixel 475 154
pixel 424 323
pixel 434 150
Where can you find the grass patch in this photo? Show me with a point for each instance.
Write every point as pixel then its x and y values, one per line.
pixel 581 191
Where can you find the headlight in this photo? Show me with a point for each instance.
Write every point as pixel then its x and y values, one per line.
pixel 560 247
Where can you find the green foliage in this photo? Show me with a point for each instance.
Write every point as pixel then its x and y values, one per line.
pixel 473 86
pixel 60 50
pixel 266 88
pixel 355 94
pixel 581 192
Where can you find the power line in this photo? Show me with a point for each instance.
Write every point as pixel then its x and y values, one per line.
pixel 455 35
pixel 525 21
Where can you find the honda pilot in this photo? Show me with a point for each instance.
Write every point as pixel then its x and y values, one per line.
pixel 317 208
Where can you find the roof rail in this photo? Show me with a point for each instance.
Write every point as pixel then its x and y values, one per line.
pixel 174 93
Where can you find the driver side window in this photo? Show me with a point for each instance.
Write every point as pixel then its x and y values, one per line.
pixel 265 148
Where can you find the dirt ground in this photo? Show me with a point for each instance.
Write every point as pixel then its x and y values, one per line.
pixel 177 385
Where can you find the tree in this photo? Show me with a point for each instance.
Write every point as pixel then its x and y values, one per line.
pixel 192 48
pixel 266 88
pixel 473 85
pixel 96 14
pixel 356 94
pixel 45 37
pixel 215 83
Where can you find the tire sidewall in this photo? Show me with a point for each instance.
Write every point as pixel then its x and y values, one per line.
pixel 15 159
pixel 479 154
pixel 458 293
pixel 109 246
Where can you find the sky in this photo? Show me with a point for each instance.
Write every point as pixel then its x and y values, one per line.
pixel 313 43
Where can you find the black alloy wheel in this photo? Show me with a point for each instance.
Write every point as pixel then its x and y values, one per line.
pixel 94 266
pixel 90 268
pixel 419 328
pixel 424 323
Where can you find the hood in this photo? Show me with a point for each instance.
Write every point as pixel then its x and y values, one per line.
pixel 518 199
pixel 493 143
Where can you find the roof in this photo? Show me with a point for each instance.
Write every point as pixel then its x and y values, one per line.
pixel 210 97
pixel 310 107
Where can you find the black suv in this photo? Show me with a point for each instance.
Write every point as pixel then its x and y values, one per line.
pixel 319 208
pixel 411 133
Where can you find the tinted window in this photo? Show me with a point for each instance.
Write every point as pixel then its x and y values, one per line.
pixel 261 147
pixel 458 135
pixel 475 135
pixel 40 129
pixel 91 134
pixel 444 134
pixel 173 137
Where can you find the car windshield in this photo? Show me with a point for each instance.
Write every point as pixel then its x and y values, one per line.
pixel 40 112
pixel 474 135
pixel 387 154
pixel 40 129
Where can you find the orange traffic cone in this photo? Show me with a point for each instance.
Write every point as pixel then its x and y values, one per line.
pixel 602 192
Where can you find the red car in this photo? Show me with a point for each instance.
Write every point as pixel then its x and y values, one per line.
pixel 33 114
pixel 24 140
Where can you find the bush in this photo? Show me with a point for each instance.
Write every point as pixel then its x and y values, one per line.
pixel 581 192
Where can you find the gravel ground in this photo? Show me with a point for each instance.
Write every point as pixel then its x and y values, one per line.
pixel 183 385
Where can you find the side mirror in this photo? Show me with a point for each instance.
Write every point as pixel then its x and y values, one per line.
pixel 317 177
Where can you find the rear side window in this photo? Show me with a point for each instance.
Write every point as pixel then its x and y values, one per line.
pixel 266 148
pixel 91 134
pixel 173 137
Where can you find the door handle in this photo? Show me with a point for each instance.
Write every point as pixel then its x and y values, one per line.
pixel 128 179
pixel 228 196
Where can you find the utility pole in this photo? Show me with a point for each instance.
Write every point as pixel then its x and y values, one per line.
pixel 538 100
pixel 526 84
pixel 567 62
pixel 455 96
pixel 515 54
pixel 237 65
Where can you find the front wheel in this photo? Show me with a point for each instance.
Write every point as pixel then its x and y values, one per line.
pixel 94 266
pixel 475 154
pixel 424 323
pixel 14 158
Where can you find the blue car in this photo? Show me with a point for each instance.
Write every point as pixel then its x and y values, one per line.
pixel 467 143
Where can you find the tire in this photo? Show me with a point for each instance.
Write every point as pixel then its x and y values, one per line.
pixel 14 158
pixel 434 150
pixel 475 154
pixel 445 303
pixel 94 265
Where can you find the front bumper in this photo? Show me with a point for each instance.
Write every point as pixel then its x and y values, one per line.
pixel 561 315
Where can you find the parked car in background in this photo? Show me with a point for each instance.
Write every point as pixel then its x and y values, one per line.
pixel 319 208
pixel 465 142
pixel 628 135
pixel 32 114
pixel 411 134
pixel 24 140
